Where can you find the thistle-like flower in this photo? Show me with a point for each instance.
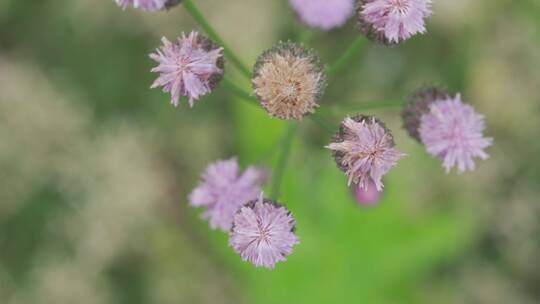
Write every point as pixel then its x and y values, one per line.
pixel 364 149
pixel 288 80
pixel 450 130
pixel 392 21
pixel 224 190
pixel 148 5
pixel 192 67
pixel 324 14
pixel 263 233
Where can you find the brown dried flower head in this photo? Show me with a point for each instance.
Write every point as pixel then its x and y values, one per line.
pixel 288 80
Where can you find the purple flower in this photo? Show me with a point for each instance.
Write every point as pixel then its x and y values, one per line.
pixel 147 5
pixel 224 190
pixel 364 149
pixel 453 131
pixel 394 20
pixel 192 67
pixel 263 233
pixel 324 14
pixel 369 196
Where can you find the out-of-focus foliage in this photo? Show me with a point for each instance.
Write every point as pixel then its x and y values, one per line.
pixel 95 167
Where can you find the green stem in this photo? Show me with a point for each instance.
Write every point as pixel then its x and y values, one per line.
pixel 346 57
pixel 238 91
pixel 323 123
pixel 331 110
pixel 279 170
pixel 203 23
pixel 305 36
pixel 268 153
pixel 373 105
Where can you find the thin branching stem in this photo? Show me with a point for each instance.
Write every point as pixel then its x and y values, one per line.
pixel 323 123
pixel 238 91
pixel 363 106
pixel 306 36
pixel 279 169
pixel 197 15
pixel 346 57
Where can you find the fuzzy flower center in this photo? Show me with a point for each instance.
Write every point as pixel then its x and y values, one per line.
pixel 400 5
pixel 288 86
pixel 264 232
pixel 291 91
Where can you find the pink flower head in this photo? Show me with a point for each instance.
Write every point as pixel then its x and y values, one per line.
pixel 224 190
pixel 453 131
pixel 147 5
pixel 192 67
pixel 369 196
pixel 324 14
pixel 394 20
pixel 364 148
pixel 263 233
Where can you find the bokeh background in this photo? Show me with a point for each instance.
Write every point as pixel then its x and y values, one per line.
pixel 95 167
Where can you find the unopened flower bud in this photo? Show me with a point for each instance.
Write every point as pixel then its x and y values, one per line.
pixel 368 196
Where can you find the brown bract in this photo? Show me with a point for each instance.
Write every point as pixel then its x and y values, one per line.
pixel 418 105
pixel 367 28
pixel 288 81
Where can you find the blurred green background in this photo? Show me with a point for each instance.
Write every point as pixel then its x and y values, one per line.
pixel 95 167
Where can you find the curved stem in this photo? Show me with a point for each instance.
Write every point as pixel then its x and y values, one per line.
pixel 347 56
pixel 323 123
pixel 211 32
pixel 306 36
pixel 331 110
pixel 238 91
pixel 275 146
pixel 373 105
pixel 279 170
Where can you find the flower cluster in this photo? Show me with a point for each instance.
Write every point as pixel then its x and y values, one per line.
pixel 260 230
pixel 289 80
